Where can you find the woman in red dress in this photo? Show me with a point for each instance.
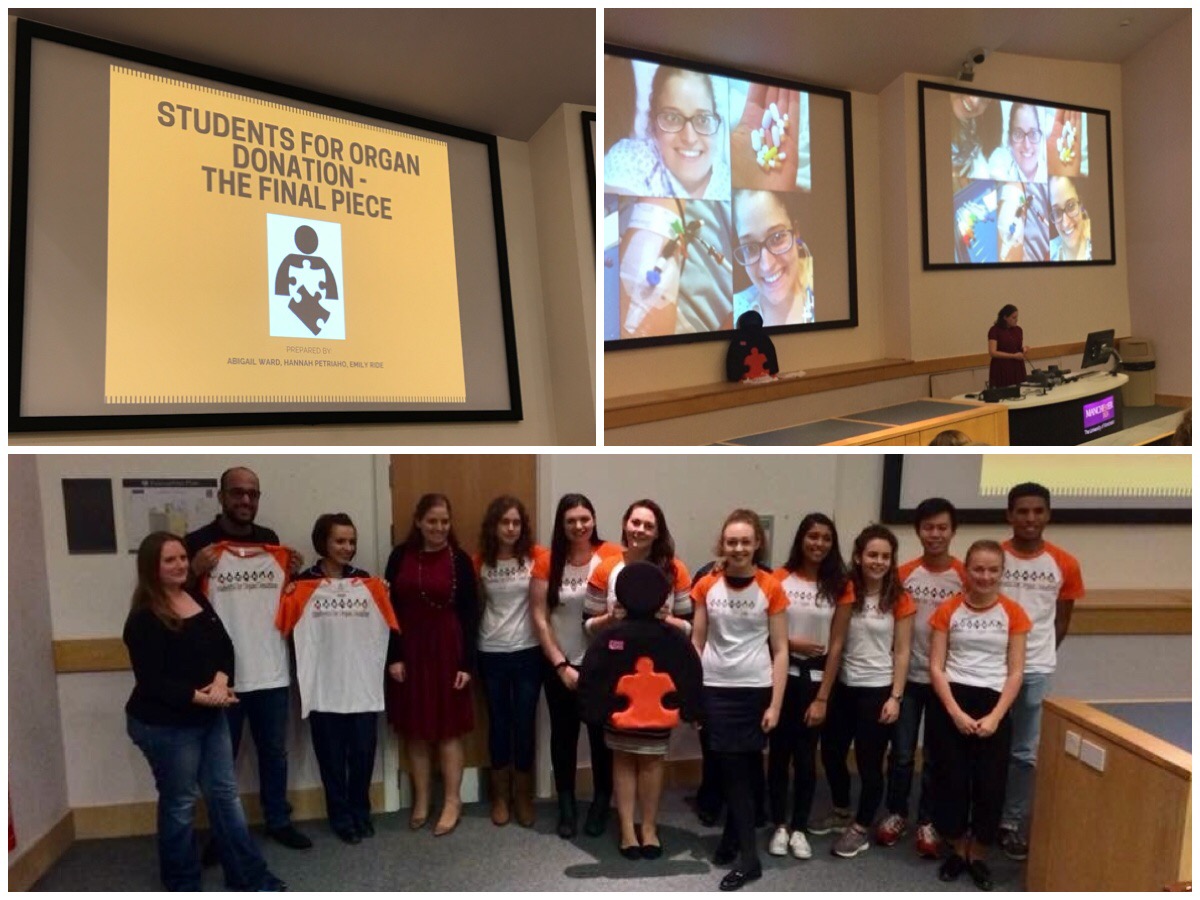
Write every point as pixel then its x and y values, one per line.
pixel 1006 347
pixel 436 602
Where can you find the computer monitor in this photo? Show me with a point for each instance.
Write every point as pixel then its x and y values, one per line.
pixel 1100 344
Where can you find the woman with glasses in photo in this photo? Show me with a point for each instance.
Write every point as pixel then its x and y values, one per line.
pixel 683 156
pixel 1022 156
pixel 1074 240
pixel 775 258
pixel 1024 201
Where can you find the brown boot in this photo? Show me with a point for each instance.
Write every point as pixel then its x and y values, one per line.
pixel 523 798
pixel 500 781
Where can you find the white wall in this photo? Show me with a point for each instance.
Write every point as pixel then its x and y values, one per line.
pixel 37 783
pixel 567 247
pixel 1158 179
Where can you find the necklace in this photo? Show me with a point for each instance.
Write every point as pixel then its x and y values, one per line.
pixel 420 580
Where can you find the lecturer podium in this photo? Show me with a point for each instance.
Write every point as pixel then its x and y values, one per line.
pixel 1066 414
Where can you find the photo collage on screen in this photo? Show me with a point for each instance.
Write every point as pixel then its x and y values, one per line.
pixel 1020 179
pixel 708 200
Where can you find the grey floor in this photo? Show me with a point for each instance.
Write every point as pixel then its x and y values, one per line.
pixel 480 857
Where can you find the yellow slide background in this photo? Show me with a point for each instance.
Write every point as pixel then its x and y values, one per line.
pixel 187 269
pixel 1081 475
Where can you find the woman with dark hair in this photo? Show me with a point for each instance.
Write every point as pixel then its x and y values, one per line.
pixel 684 155
pixel 1006 347
pixel 436 600
pixel 335 539
pixel 556 598
pixel 183 673
pixel 775 259
pixel 638 761
pixel 813 580
pixel 869 646
pixel 741 636
pixel 338 660
pixel 977 657
pixel 510 662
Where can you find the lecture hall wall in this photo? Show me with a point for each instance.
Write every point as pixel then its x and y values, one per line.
pixel 68 747
pixel 909 313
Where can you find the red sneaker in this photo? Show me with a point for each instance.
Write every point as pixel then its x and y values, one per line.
pixel 927 841
pixel 891 829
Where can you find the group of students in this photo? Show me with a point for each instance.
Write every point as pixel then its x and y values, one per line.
pixel 814 653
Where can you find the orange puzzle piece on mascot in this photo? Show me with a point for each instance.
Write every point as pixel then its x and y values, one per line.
pixel 645 691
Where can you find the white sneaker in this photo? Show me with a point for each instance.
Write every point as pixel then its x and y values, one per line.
pixel 799 846
pixel 779 842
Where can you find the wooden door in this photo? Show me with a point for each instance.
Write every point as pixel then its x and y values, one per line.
pixel 471 481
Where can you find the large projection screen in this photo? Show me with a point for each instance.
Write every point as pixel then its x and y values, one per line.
pixel 705 167
pixel 1095 488
pixel 1011 181
pixel 190 247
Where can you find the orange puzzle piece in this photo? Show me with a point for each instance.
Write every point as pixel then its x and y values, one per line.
pixel 645 691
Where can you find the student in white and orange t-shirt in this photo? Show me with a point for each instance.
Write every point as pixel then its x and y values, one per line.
pixel 646 538
pixel 813 579
pixel 556 596
pixel 742 636
pixel 1046 581
pixel 510 661
pixel 977 656
pixel 343 627
pixel 931 579
pixel 868 650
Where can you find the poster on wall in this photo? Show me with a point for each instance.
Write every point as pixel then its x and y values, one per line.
pixel 177 505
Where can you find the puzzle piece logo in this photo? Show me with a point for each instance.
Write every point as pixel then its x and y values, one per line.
pixel 304 268
pixel 645 691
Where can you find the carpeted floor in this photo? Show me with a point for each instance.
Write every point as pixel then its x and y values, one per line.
pixel 480 857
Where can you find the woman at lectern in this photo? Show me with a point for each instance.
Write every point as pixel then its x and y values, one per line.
pixel 1006 347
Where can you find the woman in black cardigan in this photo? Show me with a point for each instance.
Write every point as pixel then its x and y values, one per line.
pixel 436 600
pixel 183 669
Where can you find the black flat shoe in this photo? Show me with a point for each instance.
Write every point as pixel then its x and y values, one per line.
pixel 366 829
pixel 954 866
pixel 980 874
pixel 724 856
pixel 652 851
pixel 290 837
pixel 737 879
pixel 348 836
pixel 707 817
pixel 633 851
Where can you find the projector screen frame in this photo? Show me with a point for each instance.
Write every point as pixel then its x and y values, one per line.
pixel 891 512
pixel 26 32
pixel 930 266
pixel 851 321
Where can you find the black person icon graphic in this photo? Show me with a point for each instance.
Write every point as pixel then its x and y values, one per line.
pixel 306 306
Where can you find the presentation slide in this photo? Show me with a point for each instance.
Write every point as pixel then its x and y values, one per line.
pixel 1081 485
pixel 722 194
pixel 293 249
pixel 1013 180
pixel 245 251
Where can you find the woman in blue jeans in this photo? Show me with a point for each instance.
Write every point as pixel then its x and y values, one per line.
pixel 510 658
pixel 183 669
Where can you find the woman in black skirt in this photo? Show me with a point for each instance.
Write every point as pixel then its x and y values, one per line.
pixel 745 668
